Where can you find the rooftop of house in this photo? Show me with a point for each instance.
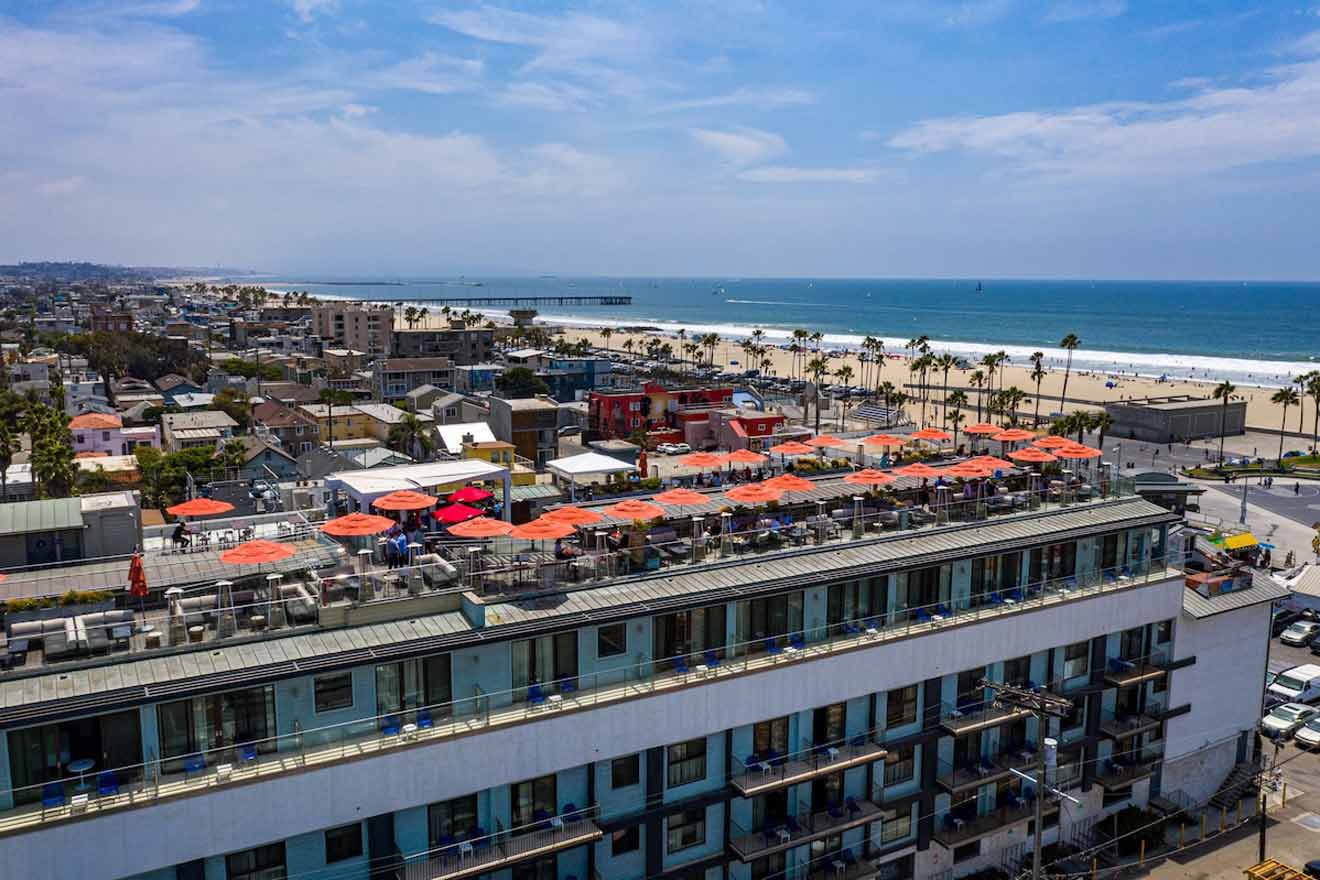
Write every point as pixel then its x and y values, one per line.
pixel 95 421
pixel 171 381
pixel 176 422
pixel 384 412
pixel 406 365
pixel 528 404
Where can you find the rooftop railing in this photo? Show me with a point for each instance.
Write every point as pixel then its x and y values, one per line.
pixel 415 724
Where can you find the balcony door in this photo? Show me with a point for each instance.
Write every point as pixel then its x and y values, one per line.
pixel 829 724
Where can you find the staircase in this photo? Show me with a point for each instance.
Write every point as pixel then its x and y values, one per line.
pixel 1242 779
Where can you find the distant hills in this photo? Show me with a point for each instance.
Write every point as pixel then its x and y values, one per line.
pixel 72 272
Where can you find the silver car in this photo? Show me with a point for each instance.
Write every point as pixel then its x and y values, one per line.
pixel 1285 720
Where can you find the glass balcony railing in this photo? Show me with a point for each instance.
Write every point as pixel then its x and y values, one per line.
pixel 62 796
pixel 803 825
pixel 968 775
pixel 759 773
pixel 481 853
pixel 1124 768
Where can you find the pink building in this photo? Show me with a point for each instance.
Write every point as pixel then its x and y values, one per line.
pixel 102 434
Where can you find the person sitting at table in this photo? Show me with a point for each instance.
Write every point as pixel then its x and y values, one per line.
pixel 566 551
pixel 180 536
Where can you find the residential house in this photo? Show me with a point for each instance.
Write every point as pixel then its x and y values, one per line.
pixel 343 361
pixel 171 385
pixel 652 408
pixel 193 429
pixel 104 434
pixel 296 431
pixel 735 429
pixel 394 378
pixel 454 436
pixel 337 423
pixel 193 400
pixel 476 378
pixel 530 424
pixel 462 345
pixel 382 417
pixel 502 453
pixel 264 459
pixel 423 397
pixel 107 321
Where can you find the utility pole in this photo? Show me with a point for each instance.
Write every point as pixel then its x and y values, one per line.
pixel 1043 705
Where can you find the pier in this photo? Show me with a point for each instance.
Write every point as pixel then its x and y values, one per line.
pixel 531 302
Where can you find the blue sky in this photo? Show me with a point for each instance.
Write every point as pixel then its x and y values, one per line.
pixel 970 138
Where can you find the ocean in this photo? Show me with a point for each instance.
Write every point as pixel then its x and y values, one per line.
pixel 1251 333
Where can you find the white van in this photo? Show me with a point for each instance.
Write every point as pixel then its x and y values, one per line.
pixel 1301 684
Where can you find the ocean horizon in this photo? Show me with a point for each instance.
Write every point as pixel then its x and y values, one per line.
pixel 1256 333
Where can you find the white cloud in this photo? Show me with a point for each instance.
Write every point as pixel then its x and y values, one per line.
pixel 1078 10
pixel 1210 131
pixel 557 97
pixel 741 146
pixel 792 174
pixel 307 10
pixel 431 72
pixel 64 187
pixel 744 97
pixel 561 41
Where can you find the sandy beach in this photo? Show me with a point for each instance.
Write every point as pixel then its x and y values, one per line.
pixel 1085 389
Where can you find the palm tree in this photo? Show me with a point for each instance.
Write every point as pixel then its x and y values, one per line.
pixel 844 374
pixel 955 418
pixel 1300 382
pixel 8 446
pixel 989 363
pixel 628 345
pixel 1037 375
pixel 1081 423
pixel 333 397
pixel 605 334
pixel 410 316
pixel 817 368
pixel 977 381
pixel 422 315
pixel 945 363
pixel 1286 397
pixel 1011 400
pixel 233 454
pixel 1069 342
pixel 816 339
pixel 1224 391
pixel 410 437
pixel 799 339
pixel 1102 422
pixel 885 390
pixel 1313 390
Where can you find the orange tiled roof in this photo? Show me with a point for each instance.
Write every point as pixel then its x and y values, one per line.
pixel 94 421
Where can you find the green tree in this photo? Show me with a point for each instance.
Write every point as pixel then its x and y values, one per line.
pixel 1102 422
pixel 235 405
pixel 1285 397
pixel 9 445
pixel 92 481
pixel 817 367
pixel 1069 343
pixel 1037 376
pixel 1224 391
pixel 54 469
pixel 233 455
pixel 1313 391
pixel 518 382
pixel 411 436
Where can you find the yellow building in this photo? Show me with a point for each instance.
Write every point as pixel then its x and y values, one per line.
pixel 501 453
pixel 349 423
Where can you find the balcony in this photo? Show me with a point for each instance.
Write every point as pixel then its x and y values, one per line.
pixel 771 772
pixel 973 717
pixel 1122 673
pixel 962 778
pixel 804 827
pixel 504 849
pixel 955 831
pixel 1116 774
pixel 1122 726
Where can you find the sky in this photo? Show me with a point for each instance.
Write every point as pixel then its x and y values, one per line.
pixel 883 138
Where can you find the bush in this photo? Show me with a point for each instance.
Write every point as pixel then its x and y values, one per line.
pixel 66 600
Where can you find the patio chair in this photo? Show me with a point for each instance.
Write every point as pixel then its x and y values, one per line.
pixel 479 838
pixel 247 753
pixel 791 823
pixel 107 783
pixel 772 648
pixel 193 764
pixel 569 812
pixel 798 641
pixel 923 616
pixel 424 719
pixel 996 599
pixel 711 659
pixel 770 834
pixel 847 857
pixel 854 808
pixel 535 696
pixel 943 610
pixel 950 822
pixel 390 726
pixel 567 685
pixel 542 819
pixel 680 666
pixel 446 845
pixel 773 758
pixel 52 795
pixel 834 811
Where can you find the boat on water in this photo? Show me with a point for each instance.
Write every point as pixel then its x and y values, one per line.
pixel 979 288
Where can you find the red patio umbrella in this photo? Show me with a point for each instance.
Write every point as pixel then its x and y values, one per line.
pixel 869 477
pixel 357 525
pixel 1077 450
pixel 634 509
pixel 982 428
pixel 932 435
pixel 456 513
pixel 257 552
pixel 1053 441
pixel 745 456
pixel 884 440
pixel 574 516
pixel 701 460
pixel 991 462
pixel 789 483
pixel 404 499
pixel 542 529
pixel 917 469
pixel 967 470
pixel 754 493
pixel 823 440
pixel 1013 435
pixel 792 447
pixel 481 527
pixel 470 495
pixel 200 507
pixel 1032 455
pixel 680 498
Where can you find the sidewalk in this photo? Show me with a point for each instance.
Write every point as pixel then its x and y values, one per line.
pixel 1271 528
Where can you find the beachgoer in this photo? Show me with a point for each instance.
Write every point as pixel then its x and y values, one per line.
pixel 1297 488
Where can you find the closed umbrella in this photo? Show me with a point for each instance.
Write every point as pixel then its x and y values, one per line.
pixel 456 513
pixel 470 495
pixel 404 499
pixel 357 525
pixel 137 582
pixel 574 516
pixel 634 509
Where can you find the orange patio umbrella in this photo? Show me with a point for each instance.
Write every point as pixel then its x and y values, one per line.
pixel 991 462
pixel 542 529
pixel 1013 435
pixel 680 498
pixel 701 460
pixel 934 435
pixel 357 525
pixel 1032 455
pixel 869 477
pixel 982 428
pixel 574 516
pixel 257 552
pixel 1077 450
pixel 634 509
pixel 792 447
pixel 917 469
pixel 967 470
pixel 823 440
pixel 404 499
pixel 789 483
pixel 883 440
pixel 1053 441
pixel 754 493
pixel 745 456
pixel 482 527
pixel 200 507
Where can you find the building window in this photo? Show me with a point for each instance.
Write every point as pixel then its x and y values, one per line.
pixel 81 439
pixel 625 841
pixel 1164 632
pixel 334 691
pixel 626 771
pixel 769 867
pixel 262 863
pixel 966 852
pixel 686 829
pixel 449 820
pixel 611 640
pixel 901 765
pixel 901 706
pixel 1076 659
pixel 687 762
pixel 344 842
pixel 896 825
pixel 105 436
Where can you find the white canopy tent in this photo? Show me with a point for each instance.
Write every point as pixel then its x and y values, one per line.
pixel 365 486
pixel 588 464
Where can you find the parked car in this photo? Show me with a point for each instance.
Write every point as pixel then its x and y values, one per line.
pixel 1300 684
pixel 1300 633
pixel 1308 735
pixel 680 448
pixel 1283 618
pixel 1285 720
pixel 664 448
pixel 1312 868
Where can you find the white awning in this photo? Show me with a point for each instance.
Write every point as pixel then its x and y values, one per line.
pixel 587 464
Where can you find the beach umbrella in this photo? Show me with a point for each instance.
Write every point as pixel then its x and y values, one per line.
pixel 542 529
pixel 883 440
pixel 574 516
pixel 200 507
pixel 1013 435
pixel 821 441
pixel 481 527
pixel 792 447
pixel 470 495
pixel 357 525
pixel 680 498
pixel 991 462
pixel 701 460
pixel 982 428
pixel 1077 451
pixel 917 470
pixel 869 477
pixel 1053 441
pixel 1032 455
pixel 634 509
pixel 932 435
pixel 754 493
pixel 789 483
pixel 257 552
pixel 745 456
pixel 404 499
pixel 967 470
pixel 456 513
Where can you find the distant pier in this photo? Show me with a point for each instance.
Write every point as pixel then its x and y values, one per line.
pixel 529 302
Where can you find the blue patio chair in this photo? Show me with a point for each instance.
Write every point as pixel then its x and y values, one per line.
pixel 923 616
pixel 1070 583
pixel 247 753
pixel 872 623
pixel 797 640
pixel 1032 685
pixel 950 822
pixel 851 628
pixel 1015 595
pixel 773 758
pixel 772 647
pixel 1127 571
pixel 479 838
pixel 424 719
pixel 535 696
pixel 193 764
pixel 107 783
pixel 1029 795
pixel 996 599
pixel 542 819
pixel 567 685
pixel 1114 665
pixel 446 843
pixel 770 834
pixel 944 610
pixel 791 823
pixel 848 858
pixel 391 726
pixel 569 812
pixel 858 741
pixel 854 808
pixel 835 811
pixel 52 795
pixel 680 666
pixel 711 658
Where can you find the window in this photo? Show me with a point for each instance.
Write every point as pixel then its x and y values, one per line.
pixel 896 825
pixel 901 765
pixel 767 867
pixel 344 842
pixel 626 771
pixel 334 691
pixel 1164 632
pixel 1076 659
pixel 625 841
pixel 105 436
pixel 687 762
pixel 215 720
pixel 966 852
pixel 901 706
pixel 533 802
pixel 81 439
pixel 611 640
pixel 770 735
pixel 686 829
pixel 1017 670
pixel 262 863
pixel 448 820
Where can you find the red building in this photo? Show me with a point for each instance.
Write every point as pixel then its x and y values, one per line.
pixel 612 414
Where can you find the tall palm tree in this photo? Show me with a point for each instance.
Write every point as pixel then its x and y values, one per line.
pixel 885 391
pixel 1012 398
pixel 989 364
pixel 411 437
pixel 1224 391
pixel 1102 422
pixel 1300 382
pixel 1285 397
pixel 1081 423
pixel 817 368
pixel 878 353
pixel 605 334
pixel 1069 343
pixel 628 345
pixel 955 418
pixel 233 454
pixel 977 381
pixel 953 405
pixel 945 363
pixel 844 374
pixel 1313 390
pixel 1037 376
pixel 8 446
pixel 800 337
